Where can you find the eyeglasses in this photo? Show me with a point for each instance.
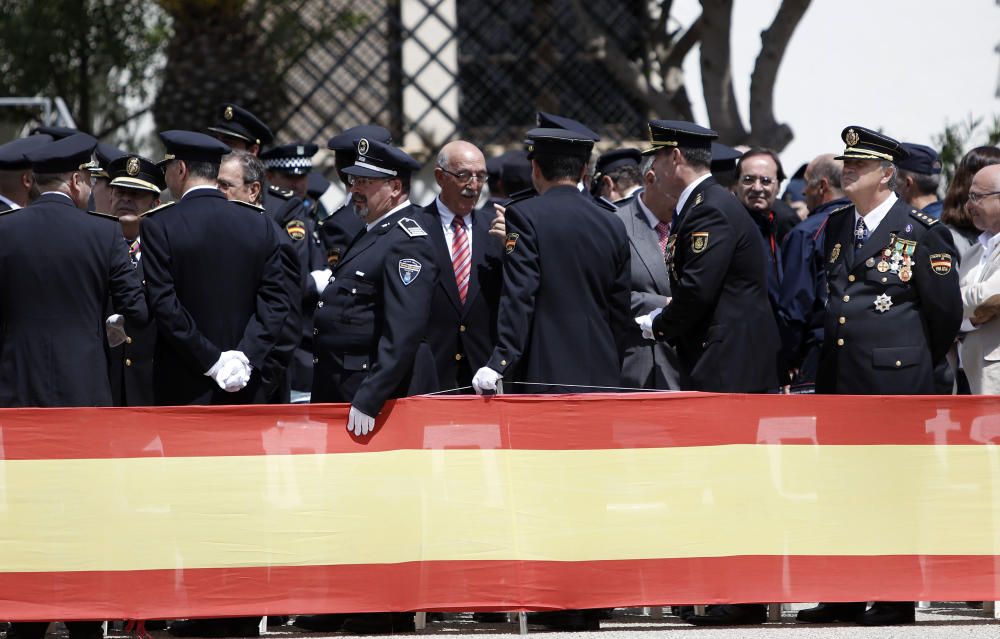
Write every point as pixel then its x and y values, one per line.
pixel 364 182
pixel 976 198
pixel 748 180
pixel 466 176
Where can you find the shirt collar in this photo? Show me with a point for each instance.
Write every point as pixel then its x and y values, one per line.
pixel 58 193
pixel 686 193
pixel 988 241
pixel 876 215
pixel 11 203
pixel 447 216
pixel 200 186
pixel 405 203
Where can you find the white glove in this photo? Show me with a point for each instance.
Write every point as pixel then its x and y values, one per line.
pixel 645 323
pixel 114 328
pixel 322 278
pixel 231 372
pixel 359 423
pixel 486 380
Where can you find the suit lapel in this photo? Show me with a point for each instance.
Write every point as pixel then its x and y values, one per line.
pixel 647 247
pixel 890 225
pixel 447 278
pixel 480 237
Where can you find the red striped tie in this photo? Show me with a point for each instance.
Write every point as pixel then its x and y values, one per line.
pixel 662 233
pixel 461 257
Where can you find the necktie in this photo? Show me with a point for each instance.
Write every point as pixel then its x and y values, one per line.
pixel 662 232
pixel 134 251
pixel 860 234
pixel 461 257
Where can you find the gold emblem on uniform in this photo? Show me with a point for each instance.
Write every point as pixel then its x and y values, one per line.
pixel 333 256
pixel 698 199
pixel 882 267
pixel 228 113
pixel 511 242
pixel 699 241
pixel 905 274
pixel 132 166
pixel 852 137
pixel 362 147
pixel 835 253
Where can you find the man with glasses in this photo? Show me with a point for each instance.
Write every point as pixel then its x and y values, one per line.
pixel 758 178
pixel 894 307
pixel 464 307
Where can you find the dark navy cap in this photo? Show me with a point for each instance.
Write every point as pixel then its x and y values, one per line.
pixel 316 184
pixel 376 159
pixel 55 132
pixel 550 121
pixel 12 154
pixel 616 159
pixel 724 157
pixel 72 153
pixel 348 140
pixel 678 133
pixel 236 122
pixel 103 155
pixel 865 144
pixel 134 172
pixel 920 159
pixel 558 142
pixel 295 158
pixel 192 147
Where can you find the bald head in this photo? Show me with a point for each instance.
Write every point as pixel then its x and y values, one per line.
pixel 461 174
pixel 822 178
pixel 988 177
pixel 984 199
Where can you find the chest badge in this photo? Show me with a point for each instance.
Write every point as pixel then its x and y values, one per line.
pixel 409 269
pixel 883 303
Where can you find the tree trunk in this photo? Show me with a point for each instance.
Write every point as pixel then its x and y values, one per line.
pixel 764 128
pixel 716 71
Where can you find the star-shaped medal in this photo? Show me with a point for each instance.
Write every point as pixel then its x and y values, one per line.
pixel 882 303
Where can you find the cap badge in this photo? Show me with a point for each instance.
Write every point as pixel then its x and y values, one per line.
pixel 362 147
pixel 132 166
pixel 852 137
pixel 228 113
pixel 300 150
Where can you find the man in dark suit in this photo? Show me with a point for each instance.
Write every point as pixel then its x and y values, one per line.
pixel 564 309
pixel 215 280
pixel 52 297
pixel 135 184
pixel 894 309
pixel 719 316
pixel 462 329
pixel 648 217
pixel 17 182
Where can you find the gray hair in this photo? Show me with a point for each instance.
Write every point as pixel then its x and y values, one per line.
pixel 885 164
pixel 253 168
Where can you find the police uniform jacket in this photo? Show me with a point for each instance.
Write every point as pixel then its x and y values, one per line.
pixel 58 266
pixel 131 364
pixel 462 336
pixel 372 318
pixel 215 283
pixel 886 329
pixel 719 319
pixel 647 364
pixel 564 310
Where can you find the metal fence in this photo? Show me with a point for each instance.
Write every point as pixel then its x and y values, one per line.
pixel 434 70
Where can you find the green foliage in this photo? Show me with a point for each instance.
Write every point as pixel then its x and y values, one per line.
pixel 98 55
pixel 957 139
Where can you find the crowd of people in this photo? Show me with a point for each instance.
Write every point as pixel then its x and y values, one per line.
pixel 676 266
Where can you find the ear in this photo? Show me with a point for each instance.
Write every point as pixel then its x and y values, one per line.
pixel 27 179
pixel 439 176
pixel 607 183
pixel 255 188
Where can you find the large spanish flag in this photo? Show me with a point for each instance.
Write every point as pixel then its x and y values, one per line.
pixel 526 502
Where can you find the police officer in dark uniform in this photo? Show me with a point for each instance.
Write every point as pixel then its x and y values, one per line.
pixel 616 175
pixel 719 317
pixel 58 265
pixel 215 280
pixel 564 310
pixel 240 129
pixel 894 308
pixel 337 231
pixel 135 184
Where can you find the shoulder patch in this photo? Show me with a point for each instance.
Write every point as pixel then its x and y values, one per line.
pixel 106 216
pixel 923 218
pixel 296 230
pixel 284 194
pixel 411 227
pixel 254 207
pixel 158 208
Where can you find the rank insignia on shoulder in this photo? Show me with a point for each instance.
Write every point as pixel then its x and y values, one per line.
pixel 410 226
pixel 510 243
pixel 165 205
pixel 250 205
pixel 835 253
pixel 333 256
pixel 699 241
pixel 106 216
pixel 277 190
pixel 296 229
pixel 698 199
pixel 941 263
pixel 409 269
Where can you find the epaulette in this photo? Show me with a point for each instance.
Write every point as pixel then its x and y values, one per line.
pixel 410 227
pixel 284 194
pixel 840 209
pixel 924 219
pixel 158 208
pixel 256 207
pixel 9 211
pixel 605 203
pixel 106 216
pixel 522 195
